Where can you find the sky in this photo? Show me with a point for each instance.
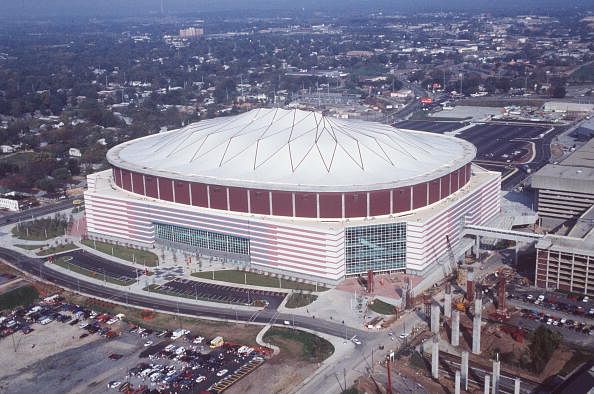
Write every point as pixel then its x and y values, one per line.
pixel 41 8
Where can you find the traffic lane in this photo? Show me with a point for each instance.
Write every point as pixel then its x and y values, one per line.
pixel 429 126
pixel 99 264
pixel 35 268
pixel 37 211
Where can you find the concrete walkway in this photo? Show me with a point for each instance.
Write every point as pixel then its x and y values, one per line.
pixel 260 340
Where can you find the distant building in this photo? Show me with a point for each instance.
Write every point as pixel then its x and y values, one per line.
pixel 560 106
pixel 6 149
pixel 191 32
pixel 563 262
pixel 9 204
pixel 566 190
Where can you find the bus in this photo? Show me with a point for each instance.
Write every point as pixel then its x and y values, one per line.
pixel 216 342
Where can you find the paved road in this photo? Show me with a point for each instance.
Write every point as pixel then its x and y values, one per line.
pixel 37 211
pixel 35 267
pixel 103 266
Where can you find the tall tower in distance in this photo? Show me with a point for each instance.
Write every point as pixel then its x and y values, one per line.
pixel 162 7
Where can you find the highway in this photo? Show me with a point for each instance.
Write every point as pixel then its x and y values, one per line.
pixel 36 268
pixel 37 211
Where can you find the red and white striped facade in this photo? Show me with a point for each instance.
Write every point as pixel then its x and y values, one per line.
pixel 309 248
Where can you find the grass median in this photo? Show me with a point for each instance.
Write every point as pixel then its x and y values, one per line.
pixel 299 300
pixel 255 279
pixel 57 249
pixel 311 347
pixel 383 308
pixel 31 247
pixel 66 262
pixel 138 256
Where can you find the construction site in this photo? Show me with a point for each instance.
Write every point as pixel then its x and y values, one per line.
pixel 474 338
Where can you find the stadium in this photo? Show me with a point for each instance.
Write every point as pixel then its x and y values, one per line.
pixel 295 193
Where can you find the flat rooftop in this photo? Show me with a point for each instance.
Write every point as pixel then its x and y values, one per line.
pixel 575 173
pixel 582 157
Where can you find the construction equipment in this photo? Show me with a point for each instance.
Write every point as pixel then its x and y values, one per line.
pixel 461 304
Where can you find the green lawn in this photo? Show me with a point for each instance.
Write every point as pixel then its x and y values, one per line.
pixel 40 229
pixel 64 262
pixel 57 249
pixel 31 247
pixel 138 256
pixel 20 296
pixel 298 300
pixel 313 348
pixel 383 308
pixel 254 279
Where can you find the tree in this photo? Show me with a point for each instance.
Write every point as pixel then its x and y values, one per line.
pixel 544 343
pixel 61 173
pixel 47 184
pixel 557 91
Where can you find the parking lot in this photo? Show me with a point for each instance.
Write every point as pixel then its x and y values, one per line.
pixel 573 318
pixel 220 293
pixel 102 266
pixel 502 142
pixel 430 126
pixel 190 364
pixel 76 349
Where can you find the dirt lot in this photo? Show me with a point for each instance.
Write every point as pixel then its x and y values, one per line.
pixel 53 357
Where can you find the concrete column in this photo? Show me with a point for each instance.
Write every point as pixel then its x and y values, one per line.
pixel 435 318
pixel 496 369
pixel 476 335
pixel 477 247
pixel 487 384
pixel 517 250
pixel 517 386
pixel 455 327
pixel 478 306
pixel 457 383
pixel 464 369
pixel 435 357
pixel 447 305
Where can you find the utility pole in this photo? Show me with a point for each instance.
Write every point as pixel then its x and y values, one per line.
pixel 389 388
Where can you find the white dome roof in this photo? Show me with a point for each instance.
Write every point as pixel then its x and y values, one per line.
pixel 295 150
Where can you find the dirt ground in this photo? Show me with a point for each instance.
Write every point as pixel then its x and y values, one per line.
pixel 54 358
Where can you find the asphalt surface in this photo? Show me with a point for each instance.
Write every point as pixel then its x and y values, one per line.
pixel 37 211
pixel 495 140
pixel 101 265
pixel 221 293
pixel 35 267
pixel 429 126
